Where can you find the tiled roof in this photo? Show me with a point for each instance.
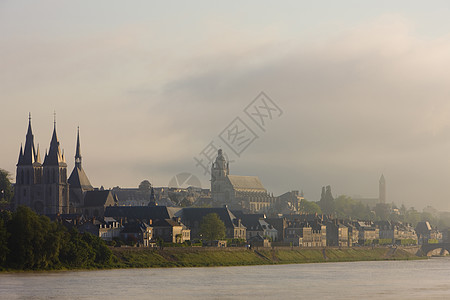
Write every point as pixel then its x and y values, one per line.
pixel 78 179
pixel 141 212
pixel 246 183
pixel 98 198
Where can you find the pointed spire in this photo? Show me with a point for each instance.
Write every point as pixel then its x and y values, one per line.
pixel 20 155
pixel 54 156
pixel 78 150
pixel 38 155
pixel 28 156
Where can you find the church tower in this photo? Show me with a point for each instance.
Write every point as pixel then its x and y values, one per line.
pixel 382 190
pixel 219 172
pixel 219 168
pixel 55 185
pixel 78 181
pixel 28 189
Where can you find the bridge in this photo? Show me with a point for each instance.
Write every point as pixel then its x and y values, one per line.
pixel 427 248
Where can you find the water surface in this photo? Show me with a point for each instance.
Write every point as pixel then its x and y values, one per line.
pixel 423 279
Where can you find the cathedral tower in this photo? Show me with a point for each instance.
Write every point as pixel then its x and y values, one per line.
pixel 219 172
pixel 28 189
pixel 55 185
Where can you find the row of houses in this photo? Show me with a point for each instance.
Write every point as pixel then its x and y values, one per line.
pixel 147 225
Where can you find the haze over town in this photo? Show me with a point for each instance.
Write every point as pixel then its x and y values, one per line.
pixel 364 92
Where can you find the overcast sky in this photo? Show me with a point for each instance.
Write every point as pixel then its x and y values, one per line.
pixel 363 89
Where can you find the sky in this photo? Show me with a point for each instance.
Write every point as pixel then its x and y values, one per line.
pixel 361 90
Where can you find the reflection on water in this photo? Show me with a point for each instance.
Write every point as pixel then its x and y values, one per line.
pixel 424 279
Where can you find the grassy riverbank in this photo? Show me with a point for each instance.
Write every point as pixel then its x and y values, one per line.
pixel 204 257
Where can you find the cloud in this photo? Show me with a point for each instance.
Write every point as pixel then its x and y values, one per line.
pixel 368 100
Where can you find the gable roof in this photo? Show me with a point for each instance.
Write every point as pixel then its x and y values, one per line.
pixel 98 198
pixel 78 179
pixel 246 183
pixel 190 215
pixel 142 212
pixel 252 221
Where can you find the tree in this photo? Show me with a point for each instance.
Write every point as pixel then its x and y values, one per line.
pixel 326 202
pixel 145 185
pixel 309 207
pixel 212 227
pixel 34 241
pixel 382 211
pixel 3 243
pixel 6 191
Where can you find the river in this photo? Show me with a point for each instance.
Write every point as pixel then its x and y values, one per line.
pixel 420 279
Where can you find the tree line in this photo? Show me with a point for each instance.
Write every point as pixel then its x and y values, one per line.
pixel 32 242
pixel 346 207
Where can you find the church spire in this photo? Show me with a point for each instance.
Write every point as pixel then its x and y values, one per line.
pixel 28 155
pixel 78 151
pixel 20 155
pixel 38 155
pixel 54 156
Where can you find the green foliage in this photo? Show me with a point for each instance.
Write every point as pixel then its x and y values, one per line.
pixel 368 242
pixel 309 207
pixel 382 242
pixel 406 242
pixel 347 207
pixel 3 242
pixel 212 227
pixel 326 202
pixel 6 191
pixel 76 253
pixel 433 241
pixel 31 242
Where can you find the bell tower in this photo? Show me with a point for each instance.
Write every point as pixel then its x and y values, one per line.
pixel 28 189
pixel 55 185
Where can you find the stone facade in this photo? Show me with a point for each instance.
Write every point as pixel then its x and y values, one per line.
pixel 238 192
pixel 42 186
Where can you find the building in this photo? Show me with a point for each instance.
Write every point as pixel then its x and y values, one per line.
pixel 96 202
pixel 78 181
pixel 337 234
pixel 139 233
pixel 238 192
pixel 192 217
pixel 171 230
pixel 257 226
pixel 372 202
pixel 140 196
pixel 427 234
pixel 107 229
pixel 42 186
pixel 306 234
pixel 367 232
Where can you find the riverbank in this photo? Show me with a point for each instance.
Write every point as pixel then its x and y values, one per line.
pixel 207 257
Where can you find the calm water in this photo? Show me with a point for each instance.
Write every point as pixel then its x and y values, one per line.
pixel 425 279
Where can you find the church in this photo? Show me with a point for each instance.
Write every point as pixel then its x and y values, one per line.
pixel 45 187
pixel 238 192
